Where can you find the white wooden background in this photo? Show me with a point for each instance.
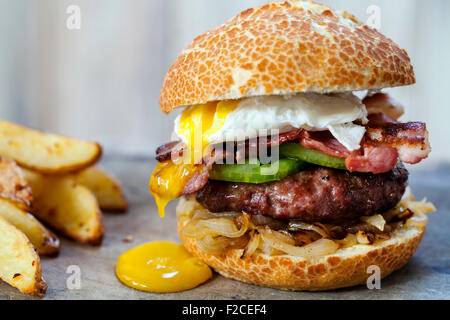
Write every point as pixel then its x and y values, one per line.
pixel 102 82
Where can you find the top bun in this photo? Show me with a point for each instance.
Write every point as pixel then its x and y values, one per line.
pixel 284 48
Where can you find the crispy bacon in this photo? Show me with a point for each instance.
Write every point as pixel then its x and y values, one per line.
pixel 199 180
pixel 324 142
pixel 372 159
pixel 166 151
pixel 384 142
pixel 409 139
pixel 382 103
pixel 236 150
pixel 251 147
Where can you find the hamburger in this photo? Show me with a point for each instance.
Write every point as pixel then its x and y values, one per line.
pixel 290 159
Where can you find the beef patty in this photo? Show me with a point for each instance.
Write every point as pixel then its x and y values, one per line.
pixel 315 194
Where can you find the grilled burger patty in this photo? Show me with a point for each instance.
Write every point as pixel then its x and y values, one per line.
pixel 315 194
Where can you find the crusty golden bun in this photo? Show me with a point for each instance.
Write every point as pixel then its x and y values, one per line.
pixel 347 267
pixel 283 48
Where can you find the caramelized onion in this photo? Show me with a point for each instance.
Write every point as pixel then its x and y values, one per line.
pixel 186 208
pixel 228 214
pixel 305 237
pixel 382 237
pixel 422 206
pixel 283 236
pixel 252 245
pixel 364 237
pixel 376 220
pixel 198 228
pixel 295 225
pixel 216 233
pixel 417 220
pixel 202 214
pixel 260 220
pixel 348 241
pixel 222 226
pixel 213 245
pixel 316 249
pixel 218 245
pixel 391 214
pixel 190 229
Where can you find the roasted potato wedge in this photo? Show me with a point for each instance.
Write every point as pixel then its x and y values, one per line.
pixel 20 265
pixel 105 187
pixel 46 153
pixel 67 206
pixel 45 242
pixel 13 185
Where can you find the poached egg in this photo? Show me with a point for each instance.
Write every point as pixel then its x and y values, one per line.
pixel 237 120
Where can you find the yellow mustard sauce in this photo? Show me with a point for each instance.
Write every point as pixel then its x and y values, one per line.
pixel 161 267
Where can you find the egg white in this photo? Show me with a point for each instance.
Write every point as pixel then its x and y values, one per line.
pixel 310 111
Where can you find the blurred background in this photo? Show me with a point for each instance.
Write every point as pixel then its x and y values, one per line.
pixel 101 82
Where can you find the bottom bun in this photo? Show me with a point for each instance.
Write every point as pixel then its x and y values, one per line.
pixel 344 268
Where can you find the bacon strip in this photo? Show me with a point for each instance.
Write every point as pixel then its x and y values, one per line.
pixel 166 151
pixel 384 142
pixel 410 139
pixel 176 148
pixel 382 103
pixel 324 142
pixel 198 181
pixel 372 159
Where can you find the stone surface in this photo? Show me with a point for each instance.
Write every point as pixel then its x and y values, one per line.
pixel 426 276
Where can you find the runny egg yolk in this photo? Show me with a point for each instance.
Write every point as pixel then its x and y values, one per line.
pixel 161 267
pixel 197 123
pixel 168 180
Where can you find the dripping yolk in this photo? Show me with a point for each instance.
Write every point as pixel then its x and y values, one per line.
pixel 199 122
pixel 161 267
pixel 168 180
pixel 196 125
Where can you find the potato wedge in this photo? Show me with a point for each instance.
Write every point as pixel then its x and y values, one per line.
pixel 13 185
pixel 46 153
pixel 45 242
pixel 67 206
pixel 20 265
pixel 105 187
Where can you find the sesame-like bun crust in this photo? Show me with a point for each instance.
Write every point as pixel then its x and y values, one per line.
pixel 284 48
pixel 347 267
